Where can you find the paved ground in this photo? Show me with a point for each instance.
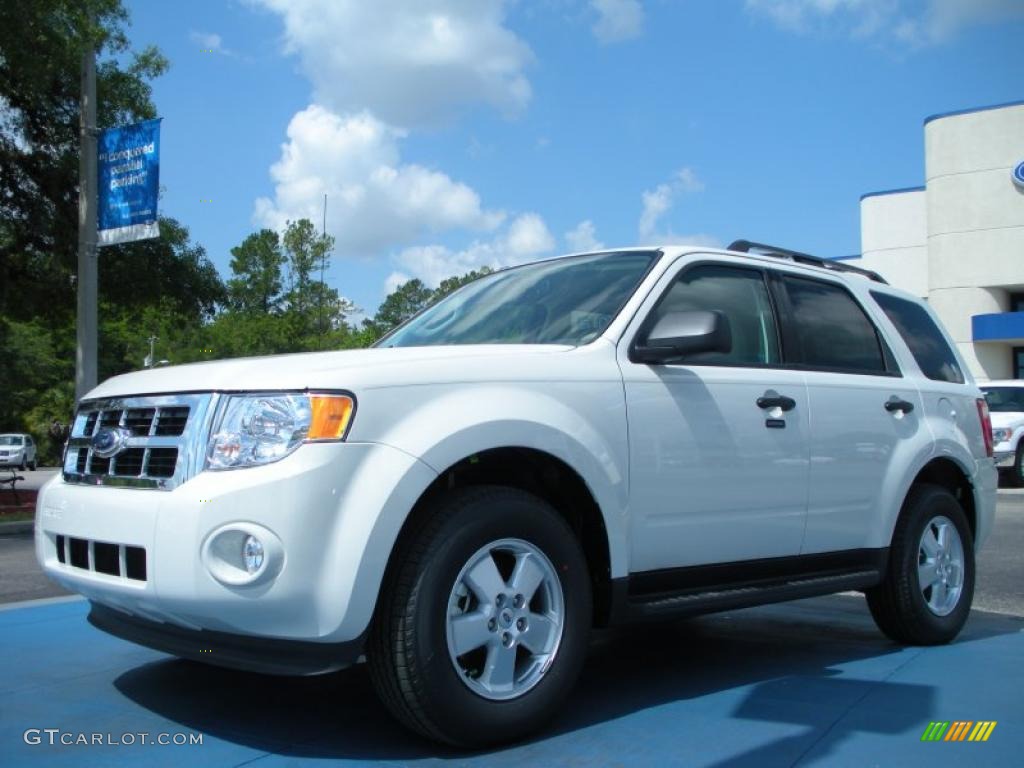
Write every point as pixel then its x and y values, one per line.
pixel 34 480
pixel 810 683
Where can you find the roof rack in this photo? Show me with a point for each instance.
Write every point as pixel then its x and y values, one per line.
pixel 746 246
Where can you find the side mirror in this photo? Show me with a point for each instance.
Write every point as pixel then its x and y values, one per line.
pixel 679 334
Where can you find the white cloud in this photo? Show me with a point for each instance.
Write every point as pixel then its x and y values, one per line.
pixel 526 238
pixel 658 201
pixel 583 237
pixel 409 63
pixel 374 200
pixel 209 41
pixel 395 281
pixel 617 20
pixel 916 24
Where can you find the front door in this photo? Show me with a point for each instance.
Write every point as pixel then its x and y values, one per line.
pixel 718 443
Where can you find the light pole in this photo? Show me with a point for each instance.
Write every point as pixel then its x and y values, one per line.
pixel 85 355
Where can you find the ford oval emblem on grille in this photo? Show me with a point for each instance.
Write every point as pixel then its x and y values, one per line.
pixel 108 441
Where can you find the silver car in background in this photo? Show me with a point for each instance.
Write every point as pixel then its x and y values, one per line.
pixel 18 450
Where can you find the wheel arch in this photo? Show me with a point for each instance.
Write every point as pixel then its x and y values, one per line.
pixel 946 472
pixel 544 475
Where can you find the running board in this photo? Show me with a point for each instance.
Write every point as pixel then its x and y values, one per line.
pixel 709 589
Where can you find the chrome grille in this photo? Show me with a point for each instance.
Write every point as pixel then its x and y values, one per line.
pixel 162 440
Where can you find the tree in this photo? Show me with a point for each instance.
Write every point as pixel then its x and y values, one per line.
pixel 41 48
pixel 399 305
pixel 308 305
pixel 169 269
pixel 256 266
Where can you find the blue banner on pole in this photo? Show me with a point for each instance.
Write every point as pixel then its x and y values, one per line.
pixel 129 182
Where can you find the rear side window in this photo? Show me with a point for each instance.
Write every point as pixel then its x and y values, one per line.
pixel 929 348
pixel 832 329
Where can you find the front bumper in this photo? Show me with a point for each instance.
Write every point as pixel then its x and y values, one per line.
pixel 334 508
pixel 253 654
pixel 11 461
pixel 1004 457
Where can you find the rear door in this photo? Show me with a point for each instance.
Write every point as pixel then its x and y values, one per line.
pixel 865 417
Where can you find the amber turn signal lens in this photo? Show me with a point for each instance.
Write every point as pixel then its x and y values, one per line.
pixel 331 415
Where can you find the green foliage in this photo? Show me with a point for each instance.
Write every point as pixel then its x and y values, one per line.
pixel 401 304
pixel 41 47
pixel 256 264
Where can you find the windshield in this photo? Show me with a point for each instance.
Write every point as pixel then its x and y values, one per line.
pixel 10 440
pixel 1004 399
pixel 564 301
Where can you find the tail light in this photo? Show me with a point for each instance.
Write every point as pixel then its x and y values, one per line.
pixel 986 426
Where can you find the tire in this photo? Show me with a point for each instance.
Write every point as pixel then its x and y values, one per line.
pixel 1015 477
pixel 32 465
pixel 23 465
pixel 439 574
pixel 904 610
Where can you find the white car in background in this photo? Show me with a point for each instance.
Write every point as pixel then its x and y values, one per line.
pixel 1006 404
pixel 17 450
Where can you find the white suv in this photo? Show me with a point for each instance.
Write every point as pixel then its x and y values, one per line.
pixel 18 450
pixel 1006 402
pixel 599 438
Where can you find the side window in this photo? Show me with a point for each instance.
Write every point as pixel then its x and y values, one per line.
pixel 933 355
pixel 832 329
pixel 742 296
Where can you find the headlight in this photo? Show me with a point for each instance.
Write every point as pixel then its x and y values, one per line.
pixel 260 429
pixel 1001 435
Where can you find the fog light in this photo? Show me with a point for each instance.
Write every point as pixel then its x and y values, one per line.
pixel 252 554
pixel 243 554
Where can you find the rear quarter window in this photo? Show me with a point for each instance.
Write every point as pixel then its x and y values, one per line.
pixel 926 342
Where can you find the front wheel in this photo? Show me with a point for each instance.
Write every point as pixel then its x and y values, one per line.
pixel 32 465
pixel 929 584
pixel 483 622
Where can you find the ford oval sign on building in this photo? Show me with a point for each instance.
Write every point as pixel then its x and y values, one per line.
pixel 1018 175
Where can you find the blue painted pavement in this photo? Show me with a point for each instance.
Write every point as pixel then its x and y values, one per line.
pixel 810 683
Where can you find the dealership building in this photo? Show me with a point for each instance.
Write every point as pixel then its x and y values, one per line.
pixel 958 241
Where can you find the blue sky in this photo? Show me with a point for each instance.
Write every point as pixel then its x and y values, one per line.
pixel 449 134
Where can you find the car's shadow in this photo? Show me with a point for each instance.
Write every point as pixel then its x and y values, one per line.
pixel 785 651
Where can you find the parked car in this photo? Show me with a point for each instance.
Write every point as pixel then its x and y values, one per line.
pixel 18 450
pixel 1006 403
pixel 600 438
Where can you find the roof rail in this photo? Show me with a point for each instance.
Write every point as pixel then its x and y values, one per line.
pixel 746 246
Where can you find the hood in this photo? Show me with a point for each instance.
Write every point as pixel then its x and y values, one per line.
pixel 347 369
pixel 1007 420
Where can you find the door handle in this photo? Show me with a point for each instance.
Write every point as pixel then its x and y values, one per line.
pixel 772 399
pixel 894 404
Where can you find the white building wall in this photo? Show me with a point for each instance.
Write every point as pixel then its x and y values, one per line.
pixel 959 242
pixel 894 238
pixel 975 225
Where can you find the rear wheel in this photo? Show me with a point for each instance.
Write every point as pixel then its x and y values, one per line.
pixel 483 622
pixel 926 596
